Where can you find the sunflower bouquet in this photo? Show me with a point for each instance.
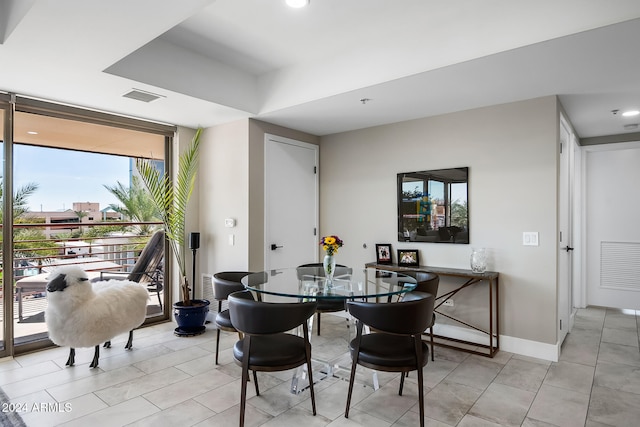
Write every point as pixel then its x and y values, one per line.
pixel 331 244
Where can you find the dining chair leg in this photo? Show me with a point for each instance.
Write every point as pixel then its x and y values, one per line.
pixel 431 335
pixel 318 327
pixel 419 358
pixel 354 365
pixel 313 395
pixel 217 345
pixel 351 381
pixel 402 375
pixel 255 380
pixel 244 380
pixel 243 391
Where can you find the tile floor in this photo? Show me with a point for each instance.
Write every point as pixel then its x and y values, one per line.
pixel 171 381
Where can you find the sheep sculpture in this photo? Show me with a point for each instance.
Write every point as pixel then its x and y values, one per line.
pixel 80 313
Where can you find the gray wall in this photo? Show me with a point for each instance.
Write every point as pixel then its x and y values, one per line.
pixel 511 151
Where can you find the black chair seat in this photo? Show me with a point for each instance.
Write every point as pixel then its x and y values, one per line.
pixel 275 350
pixel 223 321
pixel 393 351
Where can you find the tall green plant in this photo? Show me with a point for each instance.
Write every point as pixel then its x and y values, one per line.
pixel 171 198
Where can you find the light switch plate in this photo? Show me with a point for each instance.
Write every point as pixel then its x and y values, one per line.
pixel 530 238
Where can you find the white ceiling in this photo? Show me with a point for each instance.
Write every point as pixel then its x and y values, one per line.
pixel 215 61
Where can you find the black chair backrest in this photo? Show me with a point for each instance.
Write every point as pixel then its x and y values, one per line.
pixel 412 315
pixel 265 318
pixel 316 269
pixel 150 258
pixel 426 282
pixel 227 282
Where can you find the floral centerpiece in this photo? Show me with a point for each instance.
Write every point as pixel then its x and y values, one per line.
pixel 330 244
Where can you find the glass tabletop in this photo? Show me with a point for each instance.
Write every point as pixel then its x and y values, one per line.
pixel 310 282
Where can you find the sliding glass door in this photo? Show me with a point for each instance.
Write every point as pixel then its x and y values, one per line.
pixel 75 200
pixel 5 292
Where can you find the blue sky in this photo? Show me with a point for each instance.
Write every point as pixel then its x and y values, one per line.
pixel 66 176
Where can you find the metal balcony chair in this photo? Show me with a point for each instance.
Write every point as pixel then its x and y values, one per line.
pixel 267 346
pixel 148 269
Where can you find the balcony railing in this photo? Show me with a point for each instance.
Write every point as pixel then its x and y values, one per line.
pixel 95 246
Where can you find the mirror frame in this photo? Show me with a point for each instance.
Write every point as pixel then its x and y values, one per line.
pixel 416 219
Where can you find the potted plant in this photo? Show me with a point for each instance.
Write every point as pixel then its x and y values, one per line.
pixel 171 198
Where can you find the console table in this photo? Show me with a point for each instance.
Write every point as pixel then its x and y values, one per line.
pixel 470 278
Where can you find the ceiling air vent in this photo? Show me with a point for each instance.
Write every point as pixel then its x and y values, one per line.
pixel 141 95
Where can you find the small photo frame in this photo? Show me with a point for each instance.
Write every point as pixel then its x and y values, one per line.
pixel 408 257
pixel 383 253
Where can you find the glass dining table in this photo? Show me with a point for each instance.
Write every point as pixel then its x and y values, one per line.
pixel 330 351
pixel 308 283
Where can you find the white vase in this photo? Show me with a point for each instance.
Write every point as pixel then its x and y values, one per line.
pixel 478 260
pixel 329 265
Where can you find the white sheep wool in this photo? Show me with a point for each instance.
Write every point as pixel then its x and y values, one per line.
pixel 84 314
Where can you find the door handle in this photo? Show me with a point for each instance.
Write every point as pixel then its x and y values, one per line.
pixel 568 248
pixel 274 246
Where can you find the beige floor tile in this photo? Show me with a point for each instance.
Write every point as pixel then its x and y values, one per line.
pixel 559 406
pixel 571 376
pixel 119 415
pixel 503 405
pixel 614 407
pixel 184 414
pixel 522 374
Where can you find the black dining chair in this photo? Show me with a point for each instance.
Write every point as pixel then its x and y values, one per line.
pixel 267 344
pixel 325 305
pixel 427 282
pixel 224 284
pixel 397 344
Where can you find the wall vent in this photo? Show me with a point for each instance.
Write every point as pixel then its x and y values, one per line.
pixel 620 265
pixel 141 95
pixel 207 293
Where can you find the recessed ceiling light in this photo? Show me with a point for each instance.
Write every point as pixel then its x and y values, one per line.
pixel 297 3
pixel 32 132
pixel 630 113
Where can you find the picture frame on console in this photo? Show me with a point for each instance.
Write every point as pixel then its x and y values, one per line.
pixel 408 257
pixel 383 253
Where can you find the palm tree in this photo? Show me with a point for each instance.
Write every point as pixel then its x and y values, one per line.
pixel 19 199
pixel 137 204
pixel 171 200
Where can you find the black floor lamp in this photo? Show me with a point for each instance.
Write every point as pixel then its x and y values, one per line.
pixel 194 244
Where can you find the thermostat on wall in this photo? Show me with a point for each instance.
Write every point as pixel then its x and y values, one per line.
pixel 229 222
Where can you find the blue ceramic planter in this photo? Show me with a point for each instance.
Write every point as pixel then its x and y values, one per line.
pixel 190 319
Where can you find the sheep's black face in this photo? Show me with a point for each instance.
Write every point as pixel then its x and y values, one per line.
pixel 59 283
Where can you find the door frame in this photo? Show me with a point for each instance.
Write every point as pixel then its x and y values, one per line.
pixel 283 140
pixel 566 209
pixel 581 287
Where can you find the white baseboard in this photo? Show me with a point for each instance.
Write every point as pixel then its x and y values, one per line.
pixel 530 348
pixel 510 344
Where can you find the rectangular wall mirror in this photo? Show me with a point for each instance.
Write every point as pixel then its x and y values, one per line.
pixel 433 206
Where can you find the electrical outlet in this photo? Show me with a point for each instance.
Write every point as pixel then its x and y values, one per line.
pixel 448 303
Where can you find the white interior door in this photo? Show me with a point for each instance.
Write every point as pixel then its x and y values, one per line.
pixel 291 202
pixel 613 236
